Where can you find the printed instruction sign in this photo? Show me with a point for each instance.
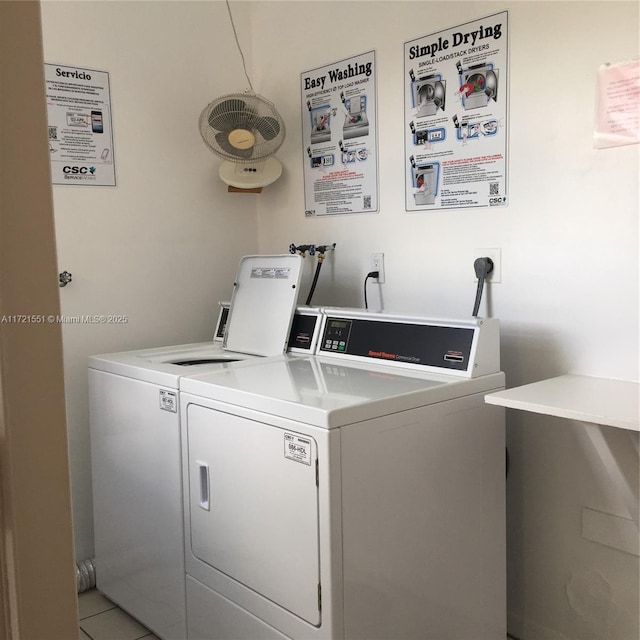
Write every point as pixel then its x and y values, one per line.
pixel 80 133
pixel 456 99
pixel 339 137
pixel 618 105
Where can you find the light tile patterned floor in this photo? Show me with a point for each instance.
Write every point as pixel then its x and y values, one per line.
pixel 100 619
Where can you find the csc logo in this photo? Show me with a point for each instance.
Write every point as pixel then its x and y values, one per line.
pixel 76 170
pixel 500 200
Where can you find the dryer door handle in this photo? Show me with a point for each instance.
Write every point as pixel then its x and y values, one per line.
pixel 204 480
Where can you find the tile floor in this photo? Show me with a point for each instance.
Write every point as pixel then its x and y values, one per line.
pixel 100 619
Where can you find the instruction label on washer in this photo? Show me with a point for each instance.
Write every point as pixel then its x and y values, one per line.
pixel 297 448
pixel 271 273
pixel 168 401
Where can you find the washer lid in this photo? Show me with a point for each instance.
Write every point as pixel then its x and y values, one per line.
pixel 262 305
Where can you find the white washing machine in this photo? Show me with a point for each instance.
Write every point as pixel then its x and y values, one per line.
pixel 135 439
pixel 357 494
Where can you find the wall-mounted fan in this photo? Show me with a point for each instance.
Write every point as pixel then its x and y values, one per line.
pixel 245 130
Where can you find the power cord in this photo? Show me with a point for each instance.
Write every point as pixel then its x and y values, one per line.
pixel 483 267
pixel 244 64
pixel 371 274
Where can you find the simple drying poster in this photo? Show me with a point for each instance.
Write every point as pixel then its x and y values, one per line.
pixel 456 116
pixel 80 134
pixel 339 137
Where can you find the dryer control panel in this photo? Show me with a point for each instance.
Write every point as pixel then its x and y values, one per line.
pixel 461 347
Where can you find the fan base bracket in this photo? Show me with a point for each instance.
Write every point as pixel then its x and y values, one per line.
pixel 231 189
pixel 255 175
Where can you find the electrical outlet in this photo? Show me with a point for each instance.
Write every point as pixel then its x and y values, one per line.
pixel 496 255
pixel 377 264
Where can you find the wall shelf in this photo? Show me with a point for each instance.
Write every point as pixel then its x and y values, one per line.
pixel 615 403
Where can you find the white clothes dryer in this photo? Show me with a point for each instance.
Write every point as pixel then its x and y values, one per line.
pixel 135 439
pixel 357 494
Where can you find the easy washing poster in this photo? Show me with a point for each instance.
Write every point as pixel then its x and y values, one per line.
pixel 456 98
pixel 339 137
pixel 80 133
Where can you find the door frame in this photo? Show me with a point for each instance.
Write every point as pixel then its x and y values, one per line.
pixel 37 568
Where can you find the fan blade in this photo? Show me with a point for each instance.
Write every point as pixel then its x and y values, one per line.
pixel 268 127
pixel 227 115
pixel 223 141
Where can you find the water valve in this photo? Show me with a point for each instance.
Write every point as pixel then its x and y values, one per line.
pixel 302 249
pixel 64 278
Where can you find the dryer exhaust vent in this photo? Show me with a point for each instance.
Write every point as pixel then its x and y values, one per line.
pixel 85 575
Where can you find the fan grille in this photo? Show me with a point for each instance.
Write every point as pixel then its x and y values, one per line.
pixel 244 112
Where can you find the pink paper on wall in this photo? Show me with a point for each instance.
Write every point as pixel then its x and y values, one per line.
pixel 617 105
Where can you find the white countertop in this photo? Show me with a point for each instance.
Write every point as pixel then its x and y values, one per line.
pixel 615 403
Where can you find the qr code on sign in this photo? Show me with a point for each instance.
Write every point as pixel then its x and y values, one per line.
pixel 493 189
pixel 53 133
pixel 366 202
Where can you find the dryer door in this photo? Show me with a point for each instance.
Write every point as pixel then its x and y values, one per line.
pixel 253 506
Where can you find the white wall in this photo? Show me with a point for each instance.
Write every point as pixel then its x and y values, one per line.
pixel 569 238
pixel 568 300
pixel 162 247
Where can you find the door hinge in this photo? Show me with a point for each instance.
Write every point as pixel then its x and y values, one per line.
pixel 319 597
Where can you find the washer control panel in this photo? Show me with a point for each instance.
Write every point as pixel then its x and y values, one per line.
pixel 305 329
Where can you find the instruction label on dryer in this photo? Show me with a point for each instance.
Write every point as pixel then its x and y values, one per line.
pixel 297 448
